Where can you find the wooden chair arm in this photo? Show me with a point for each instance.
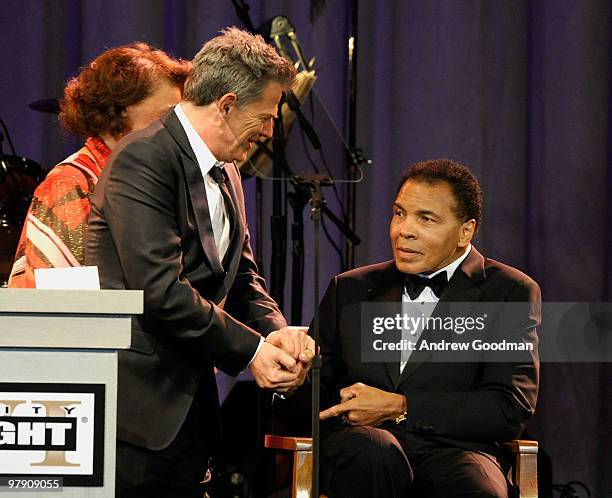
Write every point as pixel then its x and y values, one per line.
pixel 523 446
pixel 302 461
pixel 288 443
pixel 525 467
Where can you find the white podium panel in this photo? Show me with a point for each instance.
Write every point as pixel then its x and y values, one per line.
pixel 58 389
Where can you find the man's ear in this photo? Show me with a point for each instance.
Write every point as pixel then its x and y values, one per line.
pixel 467 232
pixel 226 102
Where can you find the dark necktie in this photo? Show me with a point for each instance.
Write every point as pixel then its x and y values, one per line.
pixel 217 173
pixel 416 283
pixel 219 176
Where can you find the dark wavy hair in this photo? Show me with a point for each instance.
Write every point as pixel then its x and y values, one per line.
pixel 463 183
pixel 94 101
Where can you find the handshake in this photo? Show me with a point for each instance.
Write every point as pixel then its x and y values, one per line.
pixel 284 359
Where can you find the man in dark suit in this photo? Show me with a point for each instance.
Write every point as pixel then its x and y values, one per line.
pixel 428 423
pixel 168 217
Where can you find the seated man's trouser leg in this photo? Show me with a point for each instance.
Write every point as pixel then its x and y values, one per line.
pixel 365 461
pixel 359 461
pixel 447 471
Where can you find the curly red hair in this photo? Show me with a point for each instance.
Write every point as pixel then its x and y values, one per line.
pixel 94 101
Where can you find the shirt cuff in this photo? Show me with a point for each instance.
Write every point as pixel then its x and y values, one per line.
pixel 261 341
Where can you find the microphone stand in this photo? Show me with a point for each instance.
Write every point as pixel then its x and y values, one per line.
pixel 317 201
pixel 351 192
pixel 310 187
pixel 295 105
pixel 279 219
pixel 298 200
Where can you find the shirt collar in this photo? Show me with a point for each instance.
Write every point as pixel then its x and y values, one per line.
pixel 204 156
pixel 451 268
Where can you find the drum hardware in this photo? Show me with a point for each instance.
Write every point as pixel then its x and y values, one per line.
pixel 19 177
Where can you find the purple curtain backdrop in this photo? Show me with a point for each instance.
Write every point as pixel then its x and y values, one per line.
pixel 519 91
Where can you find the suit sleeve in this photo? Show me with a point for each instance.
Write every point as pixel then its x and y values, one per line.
pixel 248 299
pixel 332 368
pixel 498 408
pixel 140 209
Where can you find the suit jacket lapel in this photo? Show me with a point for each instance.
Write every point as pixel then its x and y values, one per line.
pixel 389 288
pixel 460 289
pixel 234 250
pixel 197 191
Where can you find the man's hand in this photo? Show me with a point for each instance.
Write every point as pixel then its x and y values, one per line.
pixel 366 405
pixel 272 368
pixel 300 346
pixel 293 341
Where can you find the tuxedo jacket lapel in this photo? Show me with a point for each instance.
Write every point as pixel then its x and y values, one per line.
pixel 460 289
pixel 389 288
pixel 197 192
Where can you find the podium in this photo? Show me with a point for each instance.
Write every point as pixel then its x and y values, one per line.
pixel 58 389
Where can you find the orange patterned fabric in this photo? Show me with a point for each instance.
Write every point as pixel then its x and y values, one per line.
pixel 53 234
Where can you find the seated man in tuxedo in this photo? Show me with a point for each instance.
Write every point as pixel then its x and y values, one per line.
pixel 424 426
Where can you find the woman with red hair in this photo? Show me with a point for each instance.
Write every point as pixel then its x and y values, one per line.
pixel 124 89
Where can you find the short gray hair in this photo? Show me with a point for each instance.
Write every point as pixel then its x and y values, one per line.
pixel 235 62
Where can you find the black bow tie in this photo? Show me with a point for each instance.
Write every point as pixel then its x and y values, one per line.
pixel 217 173
pixel 416 283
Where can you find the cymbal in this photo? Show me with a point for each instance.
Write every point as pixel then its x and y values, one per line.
pixel 50 106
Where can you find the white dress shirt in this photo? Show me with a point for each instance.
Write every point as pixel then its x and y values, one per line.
pixel 206 161
pixel 426 296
